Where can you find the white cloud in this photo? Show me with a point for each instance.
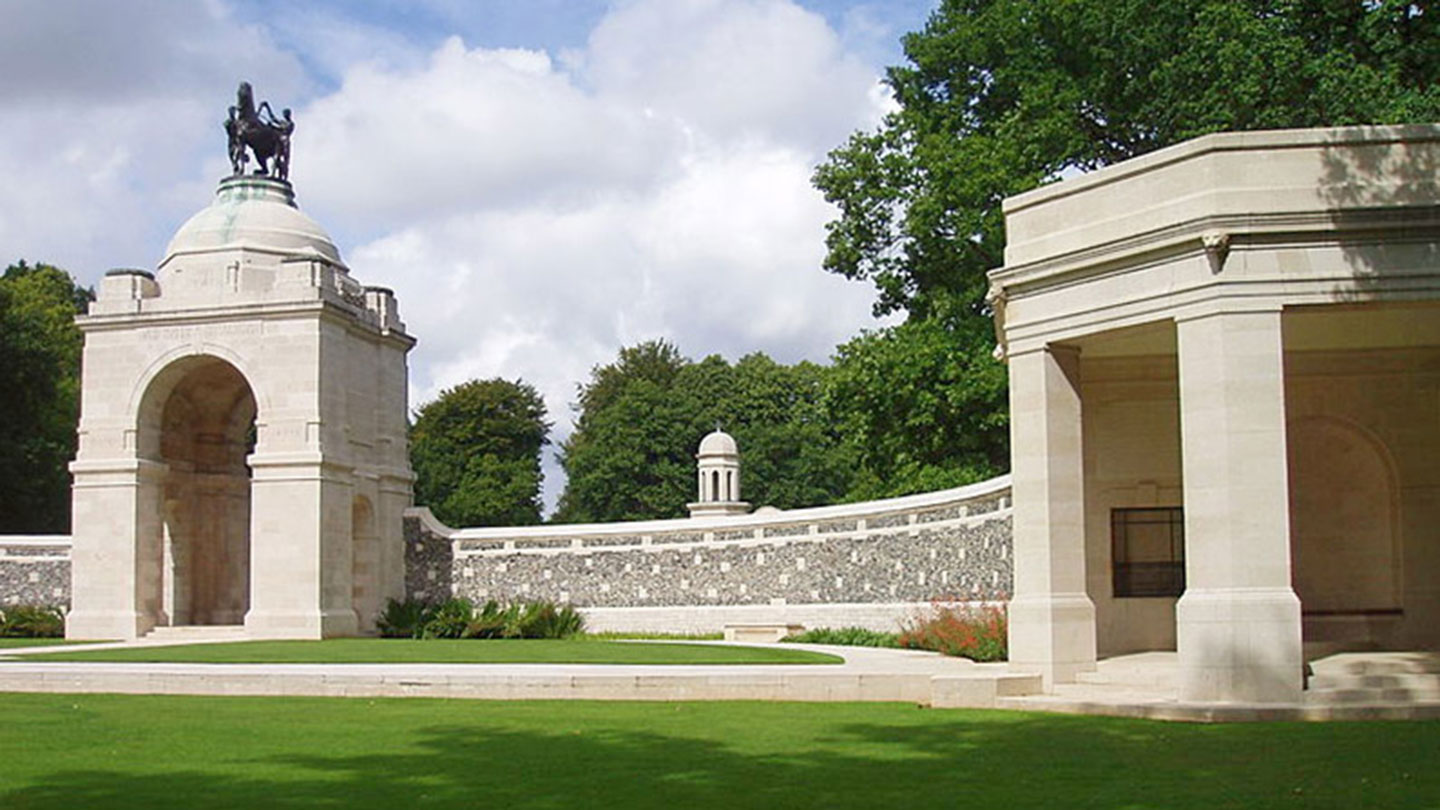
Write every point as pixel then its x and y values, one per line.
pixel 533 212
pixel 732 68
pixel 108 116
pixel 474 128
pixel 552 214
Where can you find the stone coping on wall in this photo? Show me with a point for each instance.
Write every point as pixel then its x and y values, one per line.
pixel 34 547
pixel 818 523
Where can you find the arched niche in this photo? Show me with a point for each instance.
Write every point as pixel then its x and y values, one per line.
pixel 197 420
pixel 1343 521
pixel 365 564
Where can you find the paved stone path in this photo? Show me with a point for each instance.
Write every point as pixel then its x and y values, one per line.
pixel 1142 685
pixel 868 674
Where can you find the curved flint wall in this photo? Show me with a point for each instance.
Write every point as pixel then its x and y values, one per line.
pixel 35 570
pixel 867 564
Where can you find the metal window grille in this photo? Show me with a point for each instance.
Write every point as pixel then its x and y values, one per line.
pixel 1148 551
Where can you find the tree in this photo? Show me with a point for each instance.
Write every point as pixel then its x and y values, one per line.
pixel 476 453
pixel 905 399
pixel 39 395
pixel 1001 96
pixel 632 455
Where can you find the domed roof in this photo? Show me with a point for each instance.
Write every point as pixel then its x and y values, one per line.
pixel 718 443
pixel 257 213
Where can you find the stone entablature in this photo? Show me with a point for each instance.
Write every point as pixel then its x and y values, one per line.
pixel 1226 222
pixel 35 570
pixel 949 544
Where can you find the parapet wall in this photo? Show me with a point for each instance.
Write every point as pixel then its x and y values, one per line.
pixel 35 570
pixel 867 564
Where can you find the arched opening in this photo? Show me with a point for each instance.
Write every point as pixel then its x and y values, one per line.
pixel 364 563
pixel 198 421
pixel 1343 531
pixel 715 485
pixel 730 494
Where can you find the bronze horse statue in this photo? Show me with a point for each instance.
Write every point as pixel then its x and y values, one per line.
pixel 258 129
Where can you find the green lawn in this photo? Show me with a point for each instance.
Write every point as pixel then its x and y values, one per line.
pixel 6 642
pixel 98 751
pixel 495 651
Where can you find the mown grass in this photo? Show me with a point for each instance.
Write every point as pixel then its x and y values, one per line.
pixel 617 635
pixel 7 642
pixel 105 751
pixel 445 651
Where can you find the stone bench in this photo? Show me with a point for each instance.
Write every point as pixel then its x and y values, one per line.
pixel 761 632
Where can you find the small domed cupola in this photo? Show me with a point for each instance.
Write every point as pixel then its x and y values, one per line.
pixel 718 477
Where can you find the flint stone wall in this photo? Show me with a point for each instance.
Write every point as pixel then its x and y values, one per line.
pixel 35 570
pixel 863 563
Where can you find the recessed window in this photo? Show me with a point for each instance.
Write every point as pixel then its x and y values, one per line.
pixel 1148 551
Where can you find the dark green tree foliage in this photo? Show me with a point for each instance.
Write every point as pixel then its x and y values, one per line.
pixel 1001 96
pixel 39 395
pixel 632 455
pixel 625 459
pixel 905 400
pixel 476 454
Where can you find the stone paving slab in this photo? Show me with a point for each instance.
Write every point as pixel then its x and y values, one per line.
pixel 1140 686
pixel 867 674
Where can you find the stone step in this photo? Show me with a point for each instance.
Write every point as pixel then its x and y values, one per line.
pixel 196 632
pixel 1371 696
pixel 1128 677
pixel 1403 680
pixel 1380 664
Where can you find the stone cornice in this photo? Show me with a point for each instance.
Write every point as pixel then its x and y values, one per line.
pixel 327 308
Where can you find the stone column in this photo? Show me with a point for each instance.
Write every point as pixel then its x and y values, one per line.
pixel 1238 623
pixel 1052 620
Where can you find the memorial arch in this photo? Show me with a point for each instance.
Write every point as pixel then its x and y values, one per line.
pixel 242 443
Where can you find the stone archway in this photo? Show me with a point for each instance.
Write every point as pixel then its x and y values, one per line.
pixel 1343 529
pixel 197 420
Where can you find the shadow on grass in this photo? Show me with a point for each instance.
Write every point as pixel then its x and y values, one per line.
pixel 755 755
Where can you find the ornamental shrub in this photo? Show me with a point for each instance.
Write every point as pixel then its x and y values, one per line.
pixel 459 618
pixel 405 619
pixel 32 621
pixel 450 619
pixel 965 630
pixel 547 620
pixel 849 636
pixel 489 622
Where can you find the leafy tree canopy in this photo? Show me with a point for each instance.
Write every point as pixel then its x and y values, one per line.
pixel 632 455
pixel 39 395
pixel 1001 96
pixel 922 406
pixel 476 453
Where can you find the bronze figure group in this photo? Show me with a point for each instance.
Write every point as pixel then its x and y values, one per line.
pixel 265 135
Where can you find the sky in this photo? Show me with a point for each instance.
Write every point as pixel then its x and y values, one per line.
pixel 540 181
